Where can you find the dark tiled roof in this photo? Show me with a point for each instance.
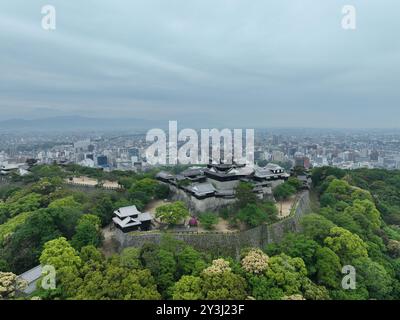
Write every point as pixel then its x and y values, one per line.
pixel 202 188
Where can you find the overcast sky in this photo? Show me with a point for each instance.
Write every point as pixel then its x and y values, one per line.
pixel 231 62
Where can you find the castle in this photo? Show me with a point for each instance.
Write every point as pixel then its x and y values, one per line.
pixel 213 187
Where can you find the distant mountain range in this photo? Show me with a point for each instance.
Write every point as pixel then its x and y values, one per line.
pixel 79 123
pixel 82 123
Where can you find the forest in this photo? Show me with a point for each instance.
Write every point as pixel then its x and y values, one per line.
pixel 355 222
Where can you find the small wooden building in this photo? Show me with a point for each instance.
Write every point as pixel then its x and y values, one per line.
pixel 131 219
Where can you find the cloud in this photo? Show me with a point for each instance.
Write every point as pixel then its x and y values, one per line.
pixel 236 62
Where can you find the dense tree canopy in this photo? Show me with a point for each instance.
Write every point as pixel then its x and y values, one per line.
pixel 87 232
pixel 43 208
pixel 356 224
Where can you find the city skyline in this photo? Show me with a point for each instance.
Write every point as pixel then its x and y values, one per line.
pixel 236 64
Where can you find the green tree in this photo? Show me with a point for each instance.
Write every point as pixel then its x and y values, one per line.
pixel 46 186
pixel 328 200
pixel 65 219
pixel 374 277
pixel 7 228
pixel 365 215
pixel 283 277
pixel 223 286
pixel 284 191
pixel 88 232
pixel 60 254
pixel 190 262
pixel 167 269
pixel 298 245
pixel 114 282
pixel 65 202
pixel 92 258
pixel 27 203
pixel 3 264
pixel 146 185
pixel 104 208
pixel 252 215
pixel 126 182
pixel 188 288
pixel 316 227
pixel 47 171
pixel 8 191
pixel 161 191
pixel 270 210
pixel 295 183
pixel 340 190
pixel 314 292
pixel 346 245
pixel 360 194
pixel 244 194
pixel 67 263
pixel 162 265
pixel 319 175
pixel 139 199
pixel 328 268
pixel 23 247
pixel 172 213
pixel 208 220
pixel 130 258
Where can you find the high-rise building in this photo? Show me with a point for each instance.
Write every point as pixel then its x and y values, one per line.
pixel 278 156
pixel 275 140
pixel 134 152
pixel 259 155
pixel 102 161
pixel 374 156
pixel 302 161
pixel 82 145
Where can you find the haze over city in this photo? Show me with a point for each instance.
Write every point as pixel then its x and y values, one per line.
pixel 216 63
